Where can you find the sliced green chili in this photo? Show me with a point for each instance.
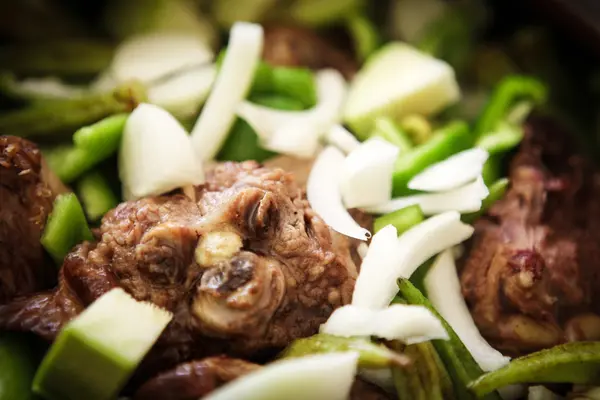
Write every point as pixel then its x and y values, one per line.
pixel 402 219
pixel 387 129
pixel 96 195
pixel 505 136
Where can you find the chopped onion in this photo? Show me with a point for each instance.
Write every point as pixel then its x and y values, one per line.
pixel 185 92
pixel 326 376
pixel 154 55
pixel 409 324
pixel 444 292
pixel 362 249
pixel 464 199
pixel 453 172
pixel 542 393
pixel 367 174
pixel 231 86
pixel 156 156
pixel 323 193
pixel 387 260
pixel 379 377
pixel 298 132
pixel 342 138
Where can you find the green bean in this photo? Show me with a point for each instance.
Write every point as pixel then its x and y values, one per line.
pixel 402 219
pixel 449 140
pixel 60 117
pixel 497 190
pixel 104 133
pixel 96 195
pixel 370 355
pixel 387 129
pixel 65 228
pixel 503 138
pixel 575 362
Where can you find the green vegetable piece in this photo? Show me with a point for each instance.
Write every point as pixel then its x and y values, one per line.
pixel 505 137
pixel 65 228
pixel 510 92
pixel 417 128
pixel 402 219
pixel 387 129
pixel 296 83
pixel 370 355
pixel 102 134
pixel 17 363
pixel 492 169
pixel 243 143
pixel 497 190
pixel 96 195
pixel 364 35
pixel 95 353
pixel 71 58
pixel 65 116
pixel 449 140
pixel 458 361
pixel 575 362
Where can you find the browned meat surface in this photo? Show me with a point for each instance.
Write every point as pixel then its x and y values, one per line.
pixel 362 390
pixel 245 269
pixel 296 46
pixel 192 380
pixel 27 190
pixel 533 273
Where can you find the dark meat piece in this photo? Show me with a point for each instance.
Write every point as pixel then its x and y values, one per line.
pixel 246 268
pixel 192 380
pixel 362 390
pixel 534 259
pixel 27 190
pixel 296 46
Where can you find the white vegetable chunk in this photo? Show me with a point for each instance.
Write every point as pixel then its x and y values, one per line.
pixel 342 138
pixel 231 86
pixel 464 199
pixel 541 393
pixel 396 81
pixel 453 172
pixel 367 173
pixel 409 324
pixel 328 376
pixel 323 193
pixel 298 132
pixel 386 260
pixel 379 377
pixel 156 155
pixel 444 292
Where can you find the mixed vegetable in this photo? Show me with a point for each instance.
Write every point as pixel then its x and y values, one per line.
pixel 418 137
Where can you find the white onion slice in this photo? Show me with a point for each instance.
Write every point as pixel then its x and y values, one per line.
pixel 328 376
pixel 444 292
pixel 297 132
pixel 464 199
pixel 155 155
pixel 542 393
pixel 231 86
pixel 362 249
pixel 409 324
pixel 367 174
pixel 379 377
pixel 451 173
pixel 151 56
pixel 342 138
pixel 386 260
pixel 322 191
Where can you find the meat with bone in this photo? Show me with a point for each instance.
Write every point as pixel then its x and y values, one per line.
pixel 246 268
pixel 27 190
pixel 530 275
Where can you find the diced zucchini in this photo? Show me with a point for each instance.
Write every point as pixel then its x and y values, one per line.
pixel 65 228
pixel 95 354
pixel 396 81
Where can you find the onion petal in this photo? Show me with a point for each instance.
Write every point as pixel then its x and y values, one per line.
pixel 342 138
pixel 326 376
pixel 407 323
pixel 464 199
pixel 453 172
pixel 542 393
pixel 444 292
pixel 155 155
pixel 231 86
pixel 367 174
pixel 322 191
pixel 388 260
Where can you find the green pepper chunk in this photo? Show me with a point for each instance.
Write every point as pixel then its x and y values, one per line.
pixel 65 228
pixel 449 140
pixel 370 355
pixel 18 363
pixel 575 362
pixel 503 138
pixel 96 195
pixel 387 129
pixel 510 92
pixel 402 219
pixel 459 362
pixel 497 190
